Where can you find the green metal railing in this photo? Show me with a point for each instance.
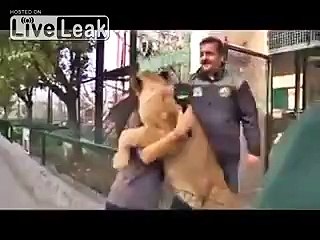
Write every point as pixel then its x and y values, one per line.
pixel 84 161
pixel 6 129
pixel 92 146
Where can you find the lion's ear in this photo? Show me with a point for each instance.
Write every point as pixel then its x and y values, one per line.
pixel 165 75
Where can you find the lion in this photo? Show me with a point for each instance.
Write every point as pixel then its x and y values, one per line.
pixel 190 165
pixel 158 112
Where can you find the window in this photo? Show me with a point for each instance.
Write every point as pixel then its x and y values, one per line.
pixel 280 98
pixel 284 98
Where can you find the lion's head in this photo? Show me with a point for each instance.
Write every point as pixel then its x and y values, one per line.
pixel 148 79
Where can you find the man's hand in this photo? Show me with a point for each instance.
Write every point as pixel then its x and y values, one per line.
pixel 252 159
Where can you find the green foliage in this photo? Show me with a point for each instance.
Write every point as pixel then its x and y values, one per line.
pixel 6 94
pixel 6 97
pixel 32 61
pixel 16 69
pixel 58 65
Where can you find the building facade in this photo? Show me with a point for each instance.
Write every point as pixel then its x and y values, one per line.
pixel 295 58
pixel 165 48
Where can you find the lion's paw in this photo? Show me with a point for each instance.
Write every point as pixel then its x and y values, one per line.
pixel 121 159
pixel 146 155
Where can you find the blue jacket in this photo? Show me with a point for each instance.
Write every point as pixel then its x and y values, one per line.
pixel 221 105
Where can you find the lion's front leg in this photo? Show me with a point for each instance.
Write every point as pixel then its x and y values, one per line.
pixel 126 141
pixel 121 158
pixel 164 146
pixel 133 137
pixel 172 141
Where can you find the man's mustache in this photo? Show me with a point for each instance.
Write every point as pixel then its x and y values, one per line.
pixel 205 62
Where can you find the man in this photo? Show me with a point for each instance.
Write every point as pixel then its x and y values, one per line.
pixel 221 101
pixel 137 186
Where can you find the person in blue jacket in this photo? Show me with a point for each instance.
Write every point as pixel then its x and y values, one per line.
pixel 222 101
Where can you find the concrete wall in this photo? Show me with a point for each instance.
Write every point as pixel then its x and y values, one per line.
pixel 283 64
pixel 313 83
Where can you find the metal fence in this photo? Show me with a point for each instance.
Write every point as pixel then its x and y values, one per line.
pixel 284 41
pixel 56 148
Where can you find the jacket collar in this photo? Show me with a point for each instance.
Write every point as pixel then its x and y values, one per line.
pixel 217 76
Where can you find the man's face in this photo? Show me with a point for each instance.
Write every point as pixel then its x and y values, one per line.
pixel 210 58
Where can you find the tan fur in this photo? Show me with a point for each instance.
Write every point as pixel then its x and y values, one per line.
pixel 158 113
pixel 194 169
pixel 190 164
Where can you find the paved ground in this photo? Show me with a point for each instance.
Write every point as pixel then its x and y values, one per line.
pixel 251 177
pixel 12 192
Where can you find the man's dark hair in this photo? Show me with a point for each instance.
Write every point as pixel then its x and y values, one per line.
pixel 213 40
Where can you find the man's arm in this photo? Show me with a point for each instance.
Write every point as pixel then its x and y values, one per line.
pixel 249 118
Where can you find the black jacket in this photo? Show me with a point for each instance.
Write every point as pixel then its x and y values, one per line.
pixel 221 105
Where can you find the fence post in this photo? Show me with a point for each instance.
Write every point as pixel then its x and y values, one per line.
pixel 10 133
pixel 43 148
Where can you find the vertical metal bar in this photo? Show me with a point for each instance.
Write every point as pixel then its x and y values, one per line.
pixel 43 148
pixel 49 107
pixel 297 66
pixel 78 89
pixel 29 145
pixel 304 77
pixel 19 109
pixel 124 54
pixel 98 138
pixel 10 132
pixel 133 50
pixel 269 114
pixel 79 105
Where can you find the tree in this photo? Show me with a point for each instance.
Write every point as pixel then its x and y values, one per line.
pixel 23 78
pixel 59 65
pixel 17 70
pixel 6 98
pixel 62 66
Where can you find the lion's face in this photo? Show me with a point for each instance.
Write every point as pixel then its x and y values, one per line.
pixel 156 99
pixel 150 80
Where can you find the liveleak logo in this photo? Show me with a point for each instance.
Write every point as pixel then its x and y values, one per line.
pixel 40 27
